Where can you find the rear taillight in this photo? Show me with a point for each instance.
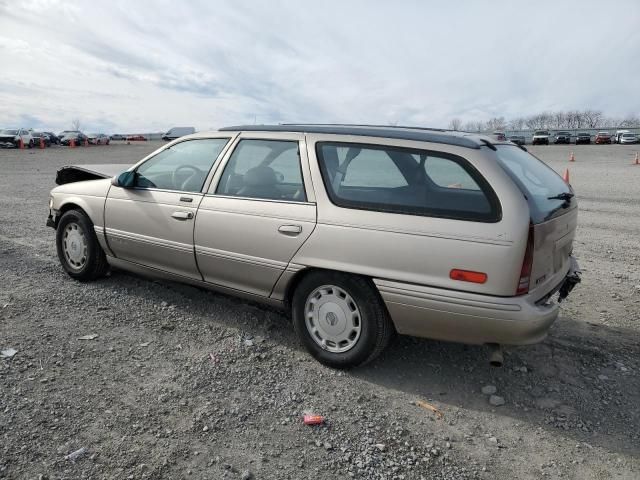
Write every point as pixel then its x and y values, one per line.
pixel 527 265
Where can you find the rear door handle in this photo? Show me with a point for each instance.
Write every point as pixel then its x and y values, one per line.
pixel 182 215
pixel 291 230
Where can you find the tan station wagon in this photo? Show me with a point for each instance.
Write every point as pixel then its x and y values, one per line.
pixel 359 231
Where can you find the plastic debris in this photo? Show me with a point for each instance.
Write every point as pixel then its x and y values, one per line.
pixel 8 353
pixel 73 456
pixel 313 419
pixel 88 337
pixel 145 344
pixel 428 406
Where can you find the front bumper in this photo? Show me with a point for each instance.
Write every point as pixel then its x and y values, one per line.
pixel 463 317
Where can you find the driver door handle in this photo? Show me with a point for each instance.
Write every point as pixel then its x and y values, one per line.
pixel 182 215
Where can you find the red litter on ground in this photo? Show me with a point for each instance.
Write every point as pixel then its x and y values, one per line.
pixel 313 419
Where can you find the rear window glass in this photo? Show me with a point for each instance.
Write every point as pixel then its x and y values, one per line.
pixel 536 180
pixel 407 181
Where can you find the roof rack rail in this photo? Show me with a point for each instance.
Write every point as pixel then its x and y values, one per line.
pixel 430 129
pixel 407 133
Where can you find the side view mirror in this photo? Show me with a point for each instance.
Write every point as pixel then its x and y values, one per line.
pixel 124 180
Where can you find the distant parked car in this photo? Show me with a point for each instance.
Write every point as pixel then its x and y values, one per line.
pixel 603 137
pixel 541 137
pixel 628 138
pixel 618 135
pixel 98 139
pixel 517 139
pixel 38 135
pixel 53 139
pixel 117 136
pixel 136 138
pixel 499 136
pixel 562 137
pixel 11 137
pixel 583 137
pixel 76 136
pixel 177 132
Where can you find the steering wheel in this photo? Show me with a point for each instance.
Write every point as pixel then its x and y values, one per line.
pixel 174 176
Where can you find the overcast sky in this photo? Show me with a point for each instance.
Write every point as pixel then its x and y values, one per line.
pixel 147 66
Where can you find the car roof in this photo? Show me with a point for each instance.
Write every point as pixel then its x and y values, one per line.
pixel 420 134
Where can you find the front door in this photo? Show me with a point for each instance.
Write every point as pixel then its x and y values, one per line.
pixel 152 223
pixel 259 211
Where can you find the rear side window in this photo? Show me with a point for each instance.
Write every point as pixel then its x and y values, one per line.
pixel 407 181
pixel 537 181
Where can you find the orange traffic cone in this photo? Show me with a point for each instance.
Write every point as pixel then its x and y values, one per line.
pixel 41 143
pixel 637 162
pixel 565 177
pixel 72 143
pixel 21 144
pixel 572 157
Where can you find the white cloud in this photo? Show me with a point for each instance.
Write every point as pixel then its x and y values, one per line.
pixel 151 65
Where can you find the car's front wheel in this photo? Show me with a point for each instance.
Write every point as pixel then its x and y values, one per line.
pixel 78 249
pixel 340 319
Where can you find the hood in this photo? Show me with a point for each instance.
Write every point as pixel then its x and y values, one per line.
pixel 79 173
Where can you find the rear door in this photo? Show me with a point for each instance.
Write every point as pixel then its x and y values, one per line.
pixel 258 212
pixel 554 220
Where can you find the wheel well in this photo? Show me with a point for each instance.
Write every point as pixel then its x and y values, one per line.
pixel 299 276
pixel 66 207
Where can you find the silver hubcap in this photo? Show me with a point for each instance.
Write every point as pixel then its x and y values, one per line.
pixel 333 319
pixel 74 246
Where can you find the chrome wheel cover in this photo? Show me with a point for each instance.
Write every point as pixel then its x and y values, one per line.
pixel 333 319
pixel 74 246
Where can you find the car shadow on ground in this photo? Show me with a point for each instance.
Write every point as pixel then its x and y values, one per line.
pixel 580 381
pixel 571 383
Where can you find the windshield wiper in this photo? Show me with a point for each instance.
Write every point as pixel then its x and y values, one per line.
pixel 566 196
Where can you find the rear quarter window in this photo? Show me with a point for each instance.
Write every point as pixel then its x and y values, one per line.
pixel 407 181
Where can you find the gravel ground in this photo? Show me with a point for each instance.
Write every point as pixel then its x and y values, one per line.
pixel 181 383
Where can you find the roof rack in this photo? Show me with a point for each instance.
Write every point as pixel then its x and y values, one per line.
pixel 430 129
pixel 418 134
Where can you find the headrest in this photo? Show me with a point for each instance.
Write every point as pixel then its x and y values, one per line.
pixel 260 176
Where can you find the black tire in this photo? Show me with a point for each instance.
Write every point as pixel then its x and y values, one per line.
pixel 376 328
pixel 94 262
pixel 31 143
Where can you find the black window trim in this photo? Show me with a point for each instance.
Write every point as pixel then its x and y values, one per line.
pixel 494 216
pixel 233 149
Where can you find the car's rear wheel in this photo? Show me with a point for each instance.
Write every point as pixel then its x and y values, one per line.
pixel 340 319
pixel 78 249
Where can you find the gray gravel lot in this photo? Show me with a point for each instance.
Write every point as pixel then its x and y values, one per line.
pixel 181 383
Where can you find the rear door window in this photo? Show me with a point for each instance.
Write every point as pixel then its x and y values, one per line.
pixel 407 181
pixel 537 181
pixel 264 169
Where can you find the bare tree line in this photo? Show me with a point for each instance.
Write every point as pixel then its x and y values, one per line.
pixel 571 119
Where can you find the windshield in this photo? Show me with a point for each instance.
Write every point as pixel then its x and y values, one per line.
pixel 9 132
pixel 542 132
pixel 537 181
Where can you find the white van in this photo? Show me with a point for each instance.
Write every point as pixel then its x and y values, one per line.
pixel 177 132
pixel 618 135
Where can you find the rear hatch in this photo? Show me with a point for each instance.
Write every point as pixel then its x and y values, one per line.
pixel 554 217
